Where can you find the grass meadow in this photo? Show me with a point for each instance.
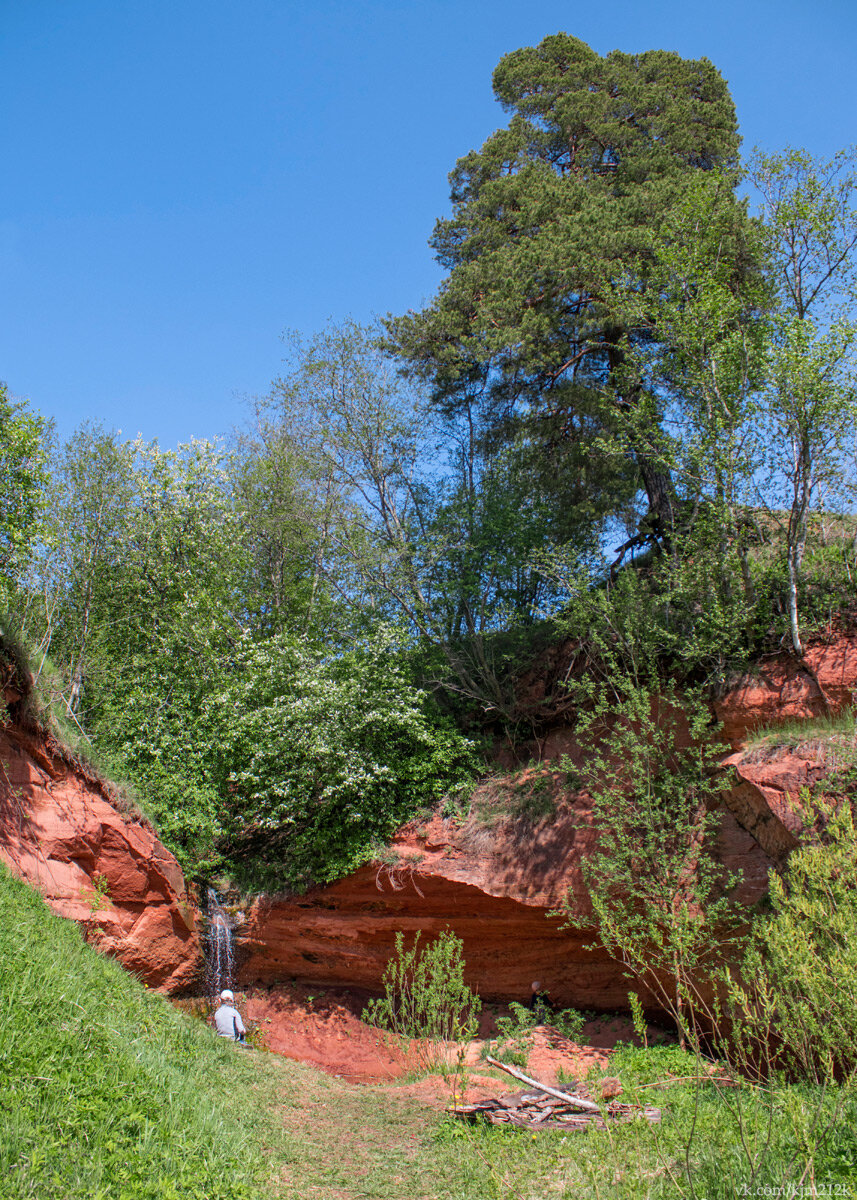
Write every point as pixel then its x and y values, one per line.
pixel 110 1093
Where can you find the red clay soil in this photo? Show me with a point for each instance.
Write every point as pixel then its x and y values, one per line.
pixel 322 1027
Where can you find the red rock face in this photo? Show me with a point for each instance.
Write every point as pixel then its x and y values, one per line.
pixel 345 935
pixel 497 896
pixel 60 834
pixel 496 888
pixel 782 689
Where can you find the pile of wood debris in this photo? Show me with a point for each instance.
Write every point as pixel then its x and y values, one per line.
pixel 545 1107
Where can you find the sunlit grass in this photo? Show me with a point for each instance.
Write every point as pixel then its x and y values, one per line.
pixel 795 733
pixel 106 1089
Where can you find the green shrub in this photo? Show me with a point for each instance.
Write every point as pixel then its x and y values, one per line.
pixel 660 900
pixel 514 1036
pixel 322 759
pixel 569 1022
pixel 425 997
pixel 153 730
pixel 800 994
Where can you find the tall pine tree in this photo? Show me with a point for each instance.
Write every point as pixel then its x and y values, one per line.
pixel 547 216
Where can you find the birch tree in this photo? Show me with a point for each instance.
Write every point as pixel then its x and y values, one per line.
pixel 809 402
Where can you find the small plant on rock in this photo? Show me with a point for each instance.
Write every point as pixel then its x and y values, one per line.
pixel 100 891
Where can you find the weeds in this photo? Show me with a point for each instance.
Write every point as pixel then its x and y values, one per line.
pixel 527 795
pixel 514 1041
pixel 426 1001
pixel 515 1032
pixel 791 734
pixel 100 891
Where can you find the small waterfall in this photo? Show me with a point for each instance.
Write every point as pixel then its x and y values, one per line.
pixel 220 955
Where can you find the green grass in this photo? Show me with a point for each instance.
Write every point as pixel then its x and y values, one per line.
pixel 791 734
pixel 344 1142
pixel 107 1092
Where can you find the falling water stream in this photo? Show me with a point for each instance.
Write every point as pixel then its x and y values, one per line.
pixel 220 955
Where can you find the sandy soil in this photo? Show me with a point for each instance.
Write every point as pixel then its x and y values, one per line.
pixel 322 1027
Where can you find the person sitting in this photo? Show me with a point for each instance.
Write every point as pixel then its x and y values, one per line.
pixel 227 1019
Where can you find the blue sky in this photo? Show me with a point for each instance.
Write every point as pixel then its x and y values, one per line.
pixel 183 180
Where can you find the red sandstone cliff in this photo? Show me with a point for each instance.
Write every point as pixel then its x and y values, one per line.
pixel 495 884
pixel 780 688
pixel 60 832
pixel 495 888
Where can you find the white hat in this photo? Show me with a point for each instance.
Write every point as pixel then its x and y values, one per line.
pixel 226 995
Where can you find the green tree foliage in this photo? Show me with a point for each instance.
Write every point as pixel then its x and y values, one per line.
pixel 700 341
pixel 173 612
pixel 795 995
pixel 320 759
pixel 547 215
pixel 22 483
pixel 290 511
pixel 417 520
pixel 173 578
pixel 89 498
pixel 340 412
pixel 138 598
pixel 809 399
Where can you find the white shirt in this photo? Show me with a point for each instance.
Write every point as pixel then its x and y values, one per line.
pixel 228 1023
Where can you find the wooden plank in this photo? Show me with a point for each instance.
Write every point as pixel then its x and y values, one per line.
pixel 574 1101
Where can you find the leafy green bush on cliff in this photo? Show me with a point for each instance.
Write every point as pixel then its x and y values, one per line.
pixel 322 758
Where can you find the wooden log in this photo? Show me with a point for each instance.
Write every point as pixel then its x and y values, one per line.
pixel 574 1101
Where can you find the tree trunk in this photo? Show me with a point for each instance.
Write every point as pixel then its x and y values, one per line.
pixel 656 477
pixel 796 532
pixel 661 495
pixel 794 625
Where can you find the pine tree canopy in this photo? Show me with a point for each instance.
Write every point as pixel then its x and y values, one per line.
pixel 553 210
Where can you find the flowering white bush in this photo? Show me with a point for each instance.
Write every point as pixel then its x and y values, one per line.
pixel 322 758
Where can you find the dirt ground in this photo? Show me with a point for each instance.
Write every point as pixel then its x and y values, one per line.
pixel 322 1027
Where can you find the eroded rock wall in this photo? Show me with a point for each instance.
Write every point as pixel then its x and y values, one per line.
pixel 60 833
pixel 496 887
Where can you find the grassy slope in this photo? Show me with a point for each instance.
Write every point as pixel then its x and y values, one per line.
pixel 108 1093
pixel 106 1089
